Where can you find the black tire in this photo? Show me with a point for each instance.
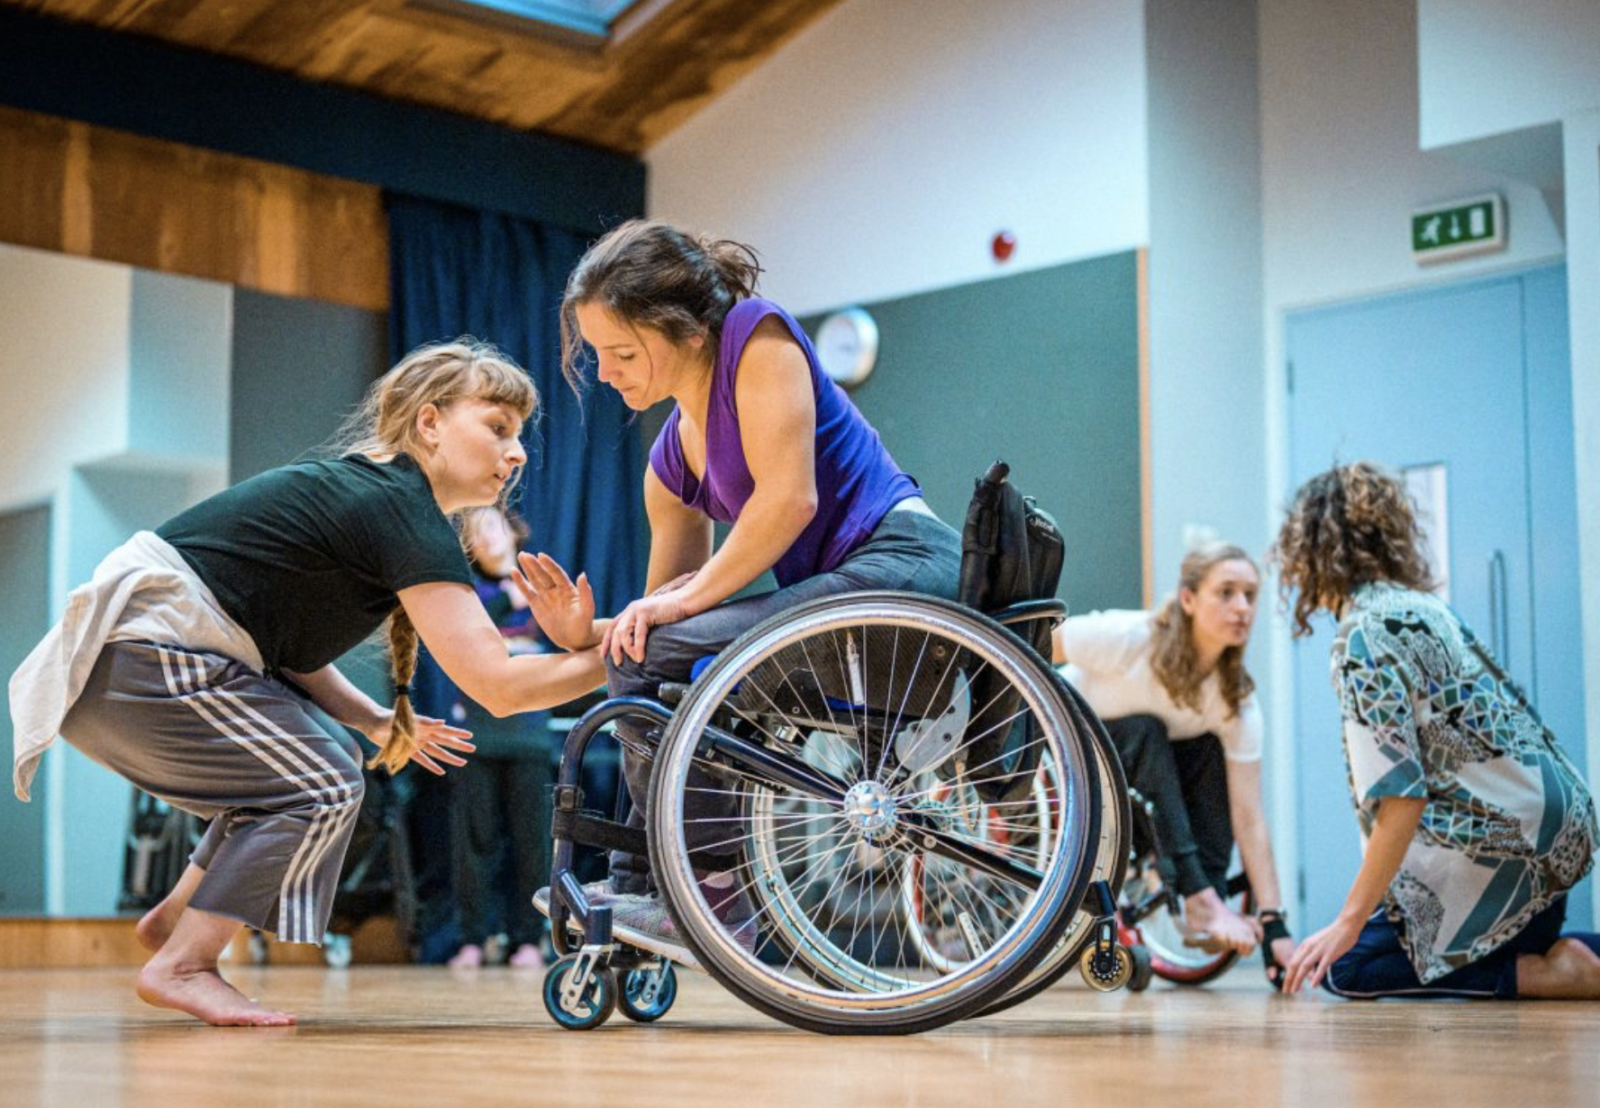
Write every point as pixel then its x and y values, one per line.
pixel 1110 864
pixel 637 1001
pixel 1142 973
pixel 597 1003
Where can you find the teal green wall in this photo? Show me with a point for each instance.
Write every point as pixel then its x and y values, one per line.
pixel 24 618
pixel 1041 370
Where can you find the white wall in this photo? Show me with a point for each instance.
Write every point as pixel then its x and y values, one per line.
pixel 64 366
pixel 1491 66
pixel 1519 86
pixel 877 153
pixel 119 389
pixel 1206 403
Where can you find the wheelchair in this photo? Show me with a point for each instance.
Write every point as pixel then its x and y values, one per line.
pixel 926 820
pixel 1150 911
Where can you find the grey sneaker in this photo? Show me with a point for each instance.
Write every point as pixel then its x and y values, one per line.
pixel 595 892
pixel 644 921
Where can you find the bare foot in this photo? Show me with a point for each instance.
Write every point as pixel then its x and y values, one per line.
pixel 156 926
pixel 205 995
pixel 1215 926
pixel 1569 970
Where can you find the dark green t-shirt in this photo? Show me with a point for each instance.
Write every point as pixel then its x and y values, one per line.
pixel 308 558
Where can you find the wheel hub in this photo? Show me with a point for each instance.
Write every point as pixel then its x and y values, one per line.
pixel 870 809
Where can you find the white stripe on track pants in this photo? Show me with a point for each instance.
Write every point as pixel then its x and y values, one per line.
pixel 210 736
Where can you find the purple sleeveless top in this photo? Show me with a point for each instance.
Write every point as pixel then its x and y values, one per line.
pixel 857 481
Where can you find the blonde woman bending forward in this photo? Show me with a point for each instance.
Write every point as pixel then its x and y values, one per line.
pixel 191 662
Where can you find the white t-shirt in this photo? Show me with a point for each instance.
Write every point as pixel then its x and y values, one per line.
pixel 1108 661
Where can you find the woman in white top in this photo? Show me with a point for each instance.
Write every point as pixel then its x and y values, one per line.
pixel 1174 694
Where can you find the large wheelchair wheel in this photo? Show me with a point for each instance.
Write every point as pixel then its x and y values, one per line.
pixel 825 756
pixel 1110 860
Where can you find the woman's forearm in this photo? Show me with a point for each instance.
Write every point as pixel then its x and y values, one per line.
pixel 1248 814
pixel 534 682
pixel 1386 848
pixel 333 693
pixel 1255 850
pixel 769 524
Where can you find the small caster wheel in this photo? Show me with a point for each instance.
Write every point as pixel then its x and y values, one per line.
pixel 647 994
pixel 336 951
pixel 260 952
pixel 1143 971
pixel 1106 971
pixel 581 1007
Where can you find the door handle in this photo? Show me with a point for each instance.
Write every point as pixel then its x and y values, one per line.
pixel 1499 609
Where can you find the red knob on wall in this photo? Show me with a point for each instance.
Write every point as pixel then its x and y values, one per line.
pixel 1003 245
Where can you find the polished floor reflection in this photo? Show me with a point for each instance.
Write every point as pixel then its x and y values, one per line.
pixel 387 1036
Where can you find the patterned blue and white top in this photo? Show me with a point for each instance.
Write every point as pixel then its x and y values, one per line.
pixel 1429 713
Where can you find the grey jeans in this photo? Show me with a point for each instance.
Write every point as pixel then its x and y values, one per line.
pixel 909 551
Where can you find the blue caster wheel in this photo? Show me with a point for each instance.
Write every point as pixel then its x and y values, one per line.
pixel 585 1006
pixel 647 994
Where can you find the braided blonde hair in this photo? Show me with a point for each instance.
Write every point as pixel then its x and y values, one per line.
pixel 384 426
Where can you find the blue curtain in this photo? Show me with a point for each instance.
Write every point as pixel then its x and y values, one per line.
pixel 454 271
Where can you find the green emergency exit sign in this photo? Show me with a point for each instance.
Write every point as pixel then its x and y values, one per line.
pixel 1464 227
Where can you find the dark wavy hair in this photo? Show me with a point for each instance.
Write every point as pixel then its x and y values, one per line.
pixel 651 274
pixel 1348 527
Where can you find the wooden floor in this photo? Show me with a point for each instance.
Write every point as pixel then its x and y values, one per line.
pixel 387 1036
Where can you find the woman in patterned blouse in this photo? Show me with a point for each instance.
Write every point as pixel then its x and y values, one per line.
pixel 1474 820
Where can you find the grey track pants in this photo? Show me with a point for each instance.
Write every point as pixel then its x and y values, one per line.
pixel 210 736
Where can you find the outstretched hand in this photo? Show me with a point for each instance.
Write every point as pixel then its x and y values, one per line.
pixel 1310 963
pixel 564 609
pixel 436 741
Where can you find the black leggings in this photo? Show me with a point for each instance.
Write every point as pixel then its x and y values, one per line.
pixel 1187 783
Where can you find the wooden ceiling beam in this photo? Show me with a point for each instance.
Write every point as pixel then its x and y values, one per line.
pixel 666 60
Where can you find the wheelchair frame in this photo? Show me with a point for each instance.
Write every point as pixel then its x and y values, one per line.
pixel 583 985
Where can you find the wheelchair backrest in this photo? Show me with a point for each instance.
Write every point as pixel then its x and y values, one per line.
pixel 1011 549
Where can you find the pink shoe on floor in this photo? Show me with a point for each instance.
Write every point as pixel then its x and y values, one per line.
pixel 469 956
pixel 526 956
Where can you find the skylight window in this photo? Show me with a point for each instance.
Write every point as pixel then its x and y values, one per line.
pixel 585 17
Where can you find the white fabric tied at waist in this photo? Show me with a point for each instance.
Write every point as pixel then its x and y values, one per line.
pixel 144 591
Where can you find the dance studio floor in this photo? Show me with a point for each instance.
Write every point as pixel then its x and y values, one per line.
pixel 389 1036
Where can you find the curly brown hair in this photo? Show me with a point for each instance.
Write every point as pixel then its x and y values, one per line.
pixel 1348 527
pixel 1173 656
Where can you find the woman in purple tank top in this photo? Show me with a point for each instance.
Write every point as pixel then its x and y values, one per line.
pixel 759 438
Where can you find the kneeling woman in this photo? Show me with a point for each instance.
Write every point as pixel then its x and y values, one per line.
pixel 1175 697
pixel 1475 822
pixel 191 662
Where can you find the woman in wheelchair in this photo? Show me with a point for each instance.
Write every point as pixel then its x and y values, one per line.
pixel 1178 703
pixel 759 439
pixel 1475 822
